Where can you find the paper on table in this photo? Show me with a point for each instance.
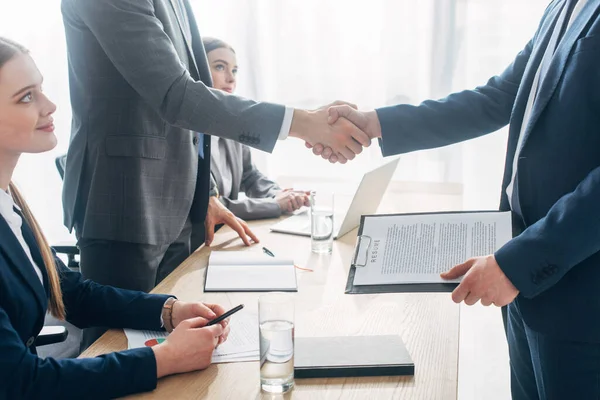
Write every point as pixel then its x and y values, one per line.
pixel 137 339
pixel 241 345
pixel 244 271
pixel 417 248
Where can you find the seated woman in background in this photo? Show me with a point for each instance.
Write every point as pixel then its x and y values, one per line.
pixel 33 279
pixel 231 162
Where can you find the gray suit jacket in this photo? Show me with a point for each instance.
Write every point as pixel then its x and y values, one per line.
pixel 260 190
pixel 138 79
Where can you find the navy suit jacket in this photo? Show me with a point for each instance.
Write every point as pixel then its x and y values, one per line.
pixel 554 260
pixel 23 305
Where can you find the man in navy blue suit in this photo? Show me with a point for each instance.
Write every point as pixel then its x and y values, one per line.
pixel 549 273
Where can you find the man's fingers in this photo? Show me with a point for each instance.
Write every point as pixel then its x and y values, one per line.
pixel 210 232
pixel 355 147
pixel 471 299
pixel 340 111
pixel 249 232
pixel 318 149
pixel 458 270
pixel 342 103
pixel 308 145
pixel 347 153
pixel 327 152
pixel 337 158
pixel 361 137
pixel 462 291
pixel 486 301
pixel 234 224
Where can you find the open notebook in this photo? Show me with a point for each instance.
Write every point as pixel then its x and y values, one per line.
pixel 230 271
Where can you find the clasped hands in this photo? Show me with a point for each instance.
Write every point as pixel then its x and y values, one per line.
pixel 337 132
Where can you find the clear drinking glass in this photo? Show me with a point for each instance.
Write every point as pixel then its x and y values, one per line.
pixel 276 327
pixel 321 222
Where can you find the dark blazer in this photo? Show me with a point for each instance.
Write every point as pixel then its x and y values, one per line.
pixel 260 190
pixel 23 305
pixel 138 76
pixel 555 261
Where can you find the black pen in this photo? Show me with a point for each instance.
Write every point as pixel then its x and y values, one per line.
pixel 226 315
pixel 268 252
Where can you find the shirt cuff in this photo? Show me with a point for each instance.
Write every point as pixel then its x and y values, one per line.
pixel 286 124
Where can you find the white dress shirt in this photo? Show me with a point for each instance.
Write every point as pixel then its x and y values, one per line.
pixel 532 95
pixel 287 123
pixel 15 222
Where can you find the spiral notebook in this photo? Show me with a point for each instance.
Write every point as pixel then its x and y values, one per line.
pixel 244 271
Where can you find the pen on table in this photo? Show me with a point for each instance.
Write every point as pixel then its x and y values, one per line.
pixel 225 315
pixel 270 254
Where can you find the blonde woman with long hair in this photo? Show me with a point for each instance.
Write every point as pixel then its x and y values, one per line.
pixel 33 280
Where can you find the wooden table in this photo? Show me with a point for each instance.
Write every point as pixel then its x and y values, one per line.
pixel 428 324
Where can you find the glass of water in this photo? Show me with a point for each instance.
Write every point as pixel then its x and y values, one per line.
pixel 321 222
pixel 276 326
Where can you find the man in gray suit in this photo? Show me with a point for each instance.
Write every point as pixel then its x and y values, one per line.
pixel 140 92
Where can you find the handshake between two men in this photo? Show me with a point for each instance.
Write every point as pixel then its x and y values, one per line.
pixel 337 132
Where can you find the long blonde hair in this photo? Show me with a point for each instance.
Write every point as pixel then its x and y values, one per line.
pixel 56 306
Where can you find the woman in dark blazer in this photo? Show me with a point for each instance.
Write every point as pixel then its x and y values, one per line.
pixel 33 280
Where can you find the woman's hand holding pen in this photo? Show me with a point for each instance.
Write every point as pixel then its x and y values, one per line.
pixel 188 348
pixel 290 200
pixel 183 310
pixel 191 344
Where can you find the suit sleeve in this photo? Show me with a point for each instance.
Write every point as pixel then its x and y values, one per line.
pixel 90 304
pixel 458 117
pixel 134 40
pixel 539 257
pixel 24 375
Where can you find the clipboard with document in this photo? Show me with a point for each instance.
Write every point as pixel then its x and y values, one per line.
pixel 407 252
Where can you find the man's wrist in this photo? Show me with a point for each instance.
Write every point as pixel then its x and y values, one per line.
pixel 373 126
pixel 300 124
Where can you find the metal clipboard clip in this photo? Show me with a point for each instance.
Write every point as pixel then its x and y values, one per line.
pixel 361 251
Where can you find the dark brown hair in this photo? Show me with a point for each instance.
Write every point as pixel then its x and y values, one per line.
pixel 211 44
pixel 8 50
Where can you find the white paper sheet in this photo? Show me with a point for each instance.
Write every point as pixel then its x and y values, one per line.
pixel 241 345
pixel 417 248
pixel 244 271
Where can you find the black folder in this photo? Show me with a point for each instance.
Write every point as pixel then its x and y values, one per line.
pixel 361 249
pixel 351 356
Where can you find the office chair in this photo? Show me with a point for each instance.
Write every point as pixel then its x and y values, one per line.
pixel 69 249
